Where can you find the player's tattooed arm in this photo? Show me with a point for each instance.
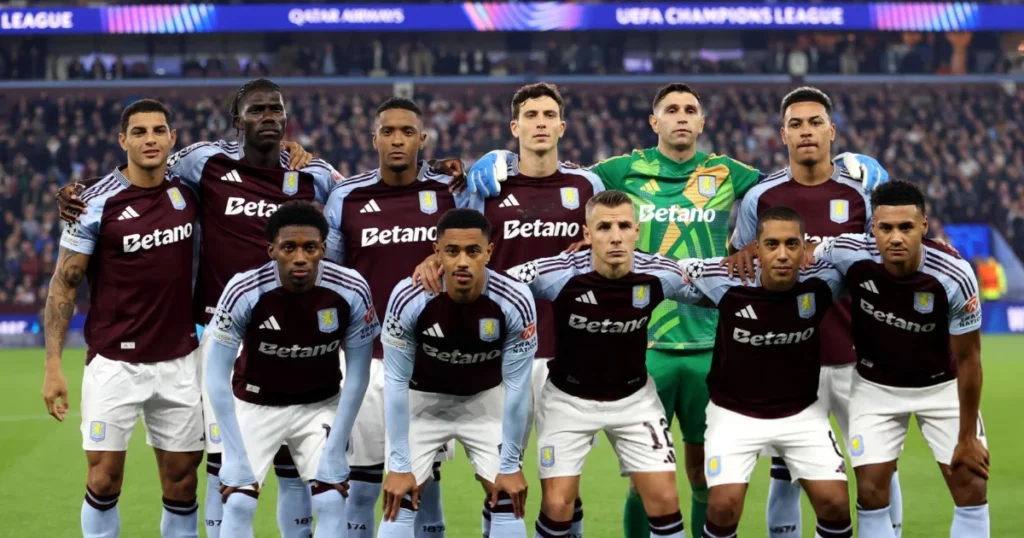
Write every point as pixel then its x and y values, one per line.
pixel 969 451
pixel 60 303
pixel 60 308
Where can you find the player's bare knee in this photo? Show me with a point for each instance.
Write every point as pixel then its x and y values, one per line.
pixel 968 489
pixel 559 506
pixel 724 510
pixel 872 495
pixel 833 508
pixel 104 480
pixel 662 502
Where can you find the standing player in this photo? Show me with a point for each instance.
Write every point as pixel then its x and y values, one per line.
pixel 764 377
pixel 830 203
pixel 541 214
pixel 916 326
pixel 378 219
pixel 290 317
pixel 135 247
pixel 603 300
pixel 240 185
pixel 457 366
pixel 683 199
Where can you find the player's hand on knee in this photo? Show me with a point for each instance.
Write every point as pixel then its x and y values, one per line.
pixel 515 486
pixel 298 157
pixel 396 486
pixel 741 263
pixel 55 393
pixel 71 206
pixel 428 274
pixel 577 246
pixel 341 487
pixel 973 455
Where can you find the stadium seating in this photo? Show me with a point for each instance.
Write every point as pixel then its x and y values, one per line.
pixel 957 142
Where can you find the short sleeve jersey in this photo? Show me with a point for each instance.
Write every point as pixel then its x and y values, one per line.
pixel 140 246
pixel 766 362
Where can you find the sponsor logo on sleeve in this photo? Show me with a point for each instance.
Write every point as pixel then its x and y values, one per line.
pixel 370 315
pixel 972 305
pixel 528 332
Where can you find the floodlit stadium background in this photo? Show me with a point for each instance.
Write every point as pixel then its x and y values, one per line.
pixel 932 90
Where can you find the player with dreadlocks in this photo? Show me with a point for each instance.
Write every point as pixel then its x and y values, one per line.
pixel 240 184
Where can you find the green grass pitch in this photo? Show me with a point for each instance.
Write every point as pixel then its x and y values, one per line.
pixel 42 467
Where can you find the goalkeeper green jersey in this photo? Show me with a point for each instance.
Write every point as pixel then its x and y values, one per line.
pixel 683 210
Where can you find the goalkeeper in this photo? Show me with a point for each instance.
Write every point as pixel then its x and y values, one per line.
pixel 683 199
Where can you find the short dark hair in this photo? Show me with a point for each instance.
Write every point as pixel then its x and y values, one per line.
pixel 141 106
pixel 249 87
pixel 676 87
pixel 779 213
pixel 399 103
pixel 609 198
pixel 296 213
pixel 536 91
pixel 806 94
pixel 464 219
pixel 896 193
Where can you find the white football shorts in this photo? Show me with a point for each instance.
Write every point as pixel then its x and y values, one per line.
pixel 635 426
pixel 880 418
pixel 436 420
pixel 367 445
pixel 304 428
pixel 833 398
pixel 805 441
pixel 166 394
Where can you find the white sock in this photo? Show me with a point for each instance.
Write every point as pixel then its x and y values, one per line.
pixel 180 519
pixel 294 506
pixel 970 522
pixel 783 512
pixel 896 505
pixel 100 518
pixel 213 509
pixel 329 507
pixel 505 525
pixel 360 508
pixel 874 523
pixel 239 512
pixel 430 516
pixel 401 527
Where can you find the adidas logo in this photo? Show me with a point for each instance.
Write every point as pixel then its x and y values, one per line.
pixel 271 325
pixel 435 331
pixel 587 298
pixel 128 213
pixel 231 177
pixel 370 207
pixel 509 202
pixel 747 312
pixel 869 285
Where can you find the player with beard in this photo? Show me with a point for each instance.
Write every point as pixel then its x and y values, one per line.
pixel 135 247
pixel 683 199
pixel 831 203
pixel 541 213
pixel 240 185
pixel 278 329
pixel 383 222
pixel 916 327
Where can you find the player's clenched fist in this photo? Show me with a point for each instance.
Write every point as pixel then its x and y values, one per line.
pixel 55 387
pixel 514 485
pixel 396 487
pixel 973 455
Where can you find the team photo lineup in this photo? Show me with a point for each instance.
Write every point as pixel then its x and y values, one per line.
pixel 262 312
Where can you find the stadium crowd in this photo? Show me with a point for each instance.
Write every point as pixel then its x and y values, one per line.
pixel 960 143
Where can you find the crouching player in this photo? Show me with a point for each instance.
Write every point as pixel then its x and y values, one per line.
pixel 290 316
pixel 764 378
pixel 603 301
pixel 457 366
